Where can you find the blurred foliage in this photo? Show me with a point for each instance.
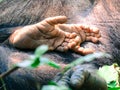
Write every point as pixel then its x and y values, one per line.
pixel 112 76
pixel 110 73
pixel 54 87
pixel 1 1
pixel 37 59
pixel 87 58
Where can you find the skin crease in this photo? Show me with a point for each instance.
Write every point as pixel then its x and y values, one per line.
pixel 51 33
pixel 103 14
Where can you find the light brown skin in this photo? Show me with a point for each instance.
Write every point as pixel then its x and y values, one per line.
pixel 56 34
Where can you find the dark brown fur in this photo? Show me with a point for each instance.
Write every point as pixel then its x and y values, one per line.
pixel 104 14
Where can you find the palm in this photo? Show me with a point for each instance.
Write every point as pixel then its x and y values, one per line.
pixel 54 33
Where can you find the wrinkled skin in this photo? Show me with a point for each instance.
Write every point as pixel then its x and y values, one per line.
pixel 55 34
pixel 104 14
pixel 80 77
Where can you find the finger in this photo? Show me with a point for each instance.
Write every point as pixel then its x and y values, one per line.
pixel 74 42
pixel 71 45
pixel 57 77
pixel 56 20
pixel 78 78
pixel 82 50
pixel 70 35
pixel 93 35
pixel 98 35
pixel 73 35
pixel 65 78
pixel 62 48
pixel 94 30
pixel 82 77
pixel 93 39
pixel 89 29
pixel 96 82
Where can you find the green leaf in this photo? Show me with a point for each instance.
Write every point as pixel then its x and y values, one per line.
pixel 52 83
pixel 111 75
pixel 112 84
pixel 46 61
pixel 1 1
pixel 53 64
pixel 53 87
pixel 88 58
pixel 108 73
pixel 3 84
pixel 24 64
pixel 35 63
pixel 32 62
pixel 41 50
pixel 115 88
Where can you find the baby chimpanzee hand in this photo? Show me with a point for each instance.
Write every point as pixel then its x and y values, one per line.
pixel 56 34
pixel 81 77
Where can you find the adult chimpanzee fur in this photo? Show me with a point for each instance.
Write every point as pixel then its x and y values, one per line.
pixel 104 14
